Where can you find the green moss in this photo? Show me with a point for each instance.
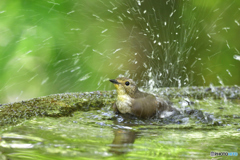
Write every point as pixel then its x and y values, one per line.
pixel 56 105
pixel 59 105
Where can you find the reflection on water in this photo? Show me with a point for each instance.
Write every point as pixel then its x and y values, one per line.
pixel 99 134
pixel 123 140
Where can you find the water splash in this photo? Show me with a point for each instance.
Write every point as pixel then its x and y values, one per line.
pixel 158 44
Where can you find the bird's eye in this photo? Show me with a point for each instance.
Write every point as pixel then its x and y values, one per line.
pixel 127 83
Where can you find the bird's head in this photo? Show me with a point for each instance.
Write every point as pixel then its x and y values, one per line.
pixel 125 86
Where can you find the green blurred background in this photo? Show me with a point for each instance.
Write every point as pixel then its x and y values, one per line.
pixel 58 46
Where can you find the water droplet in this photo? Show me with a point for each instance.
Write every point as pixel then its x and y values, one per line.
pixel 237 57
pixel 83 78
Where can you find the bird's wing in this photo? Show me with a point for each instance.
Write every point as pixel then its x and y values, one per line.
pixel 144 107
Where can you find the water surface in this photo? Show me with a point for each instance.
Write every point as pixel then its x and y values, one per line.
pixel 100 134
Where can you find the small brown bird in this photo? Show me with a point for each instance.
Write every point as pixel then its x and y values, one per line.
pixel 144 105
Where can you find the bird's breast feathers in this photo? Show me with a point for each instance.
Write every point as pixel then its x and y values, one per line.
pixel 124 103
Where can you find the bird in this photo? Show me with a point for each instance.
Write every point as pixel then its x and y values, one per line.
pixel 140 104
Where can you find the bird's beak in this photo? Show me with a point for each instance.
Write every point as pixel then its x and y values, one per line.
pixel 114 81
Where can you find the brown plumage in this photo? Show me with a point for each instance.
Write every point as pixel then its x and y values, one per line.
pixel 131 100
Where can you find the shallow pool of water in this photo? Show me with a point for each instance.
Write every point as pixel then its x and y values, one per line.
pixel 100 134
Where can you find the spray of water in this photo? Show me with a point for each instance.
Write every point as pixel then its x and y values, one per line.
pixel 52 47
